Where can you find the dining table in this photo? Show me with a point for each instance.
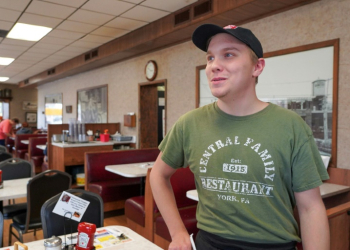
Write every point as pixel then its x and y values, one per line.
pixel 109 238
pixel 42 147
pixel 326 190
pixel 132 170
pixel 12 189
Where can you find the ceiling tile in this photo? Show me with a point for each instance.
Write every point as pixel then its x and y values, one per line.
pixel 49 9
pixel 56 40
pixel 42 50
pixel 29 56
pixel 125 23
pixel 85 44
pixel 67 54
pixel 5 25
pixel 96 39
pixel 12 47
pixel 39 20
pixel 90 17
pixel 65 34
pixel 75 3
pixel 170 6
pixel 73 49
pixel 77 26
pixel 112 7
pixel 133 1
pixel 17 42
pixel 14 4
pixel 9 15
pixel 54 47
pixel 145 14
pixel 10 53
pixel 110 32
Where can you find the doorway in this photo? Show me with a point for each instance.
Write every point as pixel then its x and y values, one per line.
pixel 152 113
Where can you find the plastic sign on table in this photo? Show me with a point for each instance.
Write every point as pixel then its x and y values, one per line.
pixel 69 203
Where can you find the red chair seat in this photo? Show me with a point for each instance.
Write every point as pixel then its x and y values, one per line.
pixel 135 209
pixel 188 216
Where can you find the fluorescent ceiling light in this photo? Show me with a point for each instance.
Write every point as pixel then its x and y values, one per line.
pixel 28 32
pixel 3 79
pixel 6 60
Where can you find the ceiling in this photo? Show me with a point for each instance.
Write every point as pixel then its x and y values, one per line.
pixel 78 26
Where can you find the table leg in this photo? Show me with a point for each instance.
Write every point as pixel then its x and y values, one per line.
pixel 142 186
pixel 1 207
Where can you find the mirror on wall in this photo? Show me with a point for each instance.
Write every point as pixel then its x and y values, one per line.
pixel 53 109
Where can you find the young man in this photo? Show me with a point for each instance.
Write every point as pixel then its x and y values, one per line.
pixel 6 129
pixel 253 161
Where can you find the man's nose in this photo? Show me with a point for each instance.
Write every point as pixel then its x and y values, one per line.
pixel 216 65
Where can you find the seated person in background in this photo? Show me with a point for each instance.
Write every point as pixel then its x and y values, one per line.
pixel 6 129
pixel 24 129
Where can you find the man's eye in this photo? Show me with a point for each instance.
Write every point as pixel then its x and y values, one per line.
pixel 228 54
pixel 210 58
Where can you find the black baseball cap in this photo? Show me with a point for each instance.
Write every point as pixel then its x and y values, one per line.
pixel 202 34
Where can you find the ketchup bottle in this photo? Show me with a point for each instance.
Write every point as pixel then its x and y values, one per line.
pixel 86 235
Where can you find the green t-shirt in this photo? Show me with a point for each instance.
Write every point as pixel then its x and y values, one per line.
pixel 246 169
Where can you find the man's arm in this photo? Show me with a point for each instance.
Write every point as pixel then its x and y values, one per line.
pixel 313 220
pixel 164 197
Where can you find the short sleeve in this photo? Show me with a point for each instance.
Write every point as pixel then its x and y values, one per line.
pixel 172 147
pixel 308 169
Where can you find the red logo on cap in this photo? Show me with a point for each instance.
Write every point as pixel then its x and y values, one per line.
pixel 230 27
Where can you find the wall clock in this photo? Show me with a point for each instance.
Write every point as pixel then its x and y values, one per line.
pixel 151 70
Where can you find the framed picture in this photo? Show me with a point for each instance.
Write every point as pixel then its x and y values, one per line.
pixel 29 105
pixel 69 109
pixel 303 79
pixel 31 117
pixel 92 104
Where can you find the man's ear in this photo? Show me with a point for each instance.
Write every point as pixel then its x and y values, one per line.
pixel 259 67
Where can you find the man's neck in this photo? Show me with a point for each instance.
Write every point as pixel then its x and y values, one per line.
pixel 242 106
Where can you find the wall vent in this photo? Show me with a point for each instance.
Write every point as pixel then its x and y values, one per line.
pixel 91 54
pixel 182 17
pixel 87 56
pixel 203 8
pixel 94 53
pixel 51 71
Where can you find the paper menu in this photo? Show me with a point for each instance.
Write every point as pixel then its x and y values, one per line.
pixel 110 237
pixel 69 203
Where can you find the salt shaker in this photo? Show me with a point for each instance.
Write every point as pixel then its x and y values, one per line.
pixel 53 243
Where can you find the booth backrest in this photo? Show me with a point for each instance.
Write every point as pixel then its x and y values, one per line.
pixel 19 138
pixel 95 162
pixel 33 142
pixel 182 181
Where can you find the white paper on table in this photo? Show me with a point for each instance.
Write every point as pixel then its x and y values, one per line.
pixel 326 160
pixel 69 203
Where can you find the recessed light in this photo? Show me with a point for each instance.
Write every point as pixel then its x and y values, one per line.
pixel 3 79
pixel 28 32
pixel 6 60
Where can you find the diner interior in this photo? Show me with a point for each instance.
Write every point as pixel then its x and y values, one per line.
pixel 106 81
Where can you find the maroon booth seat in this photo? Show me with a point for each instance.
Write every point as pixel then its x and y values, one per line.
pixel 140 213
pixel 36 155
pixel 20 148
pixel 143 215
pixel 113 188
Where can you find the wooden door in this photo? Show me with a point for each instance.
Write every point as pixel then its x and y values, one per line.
pixel 149 114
